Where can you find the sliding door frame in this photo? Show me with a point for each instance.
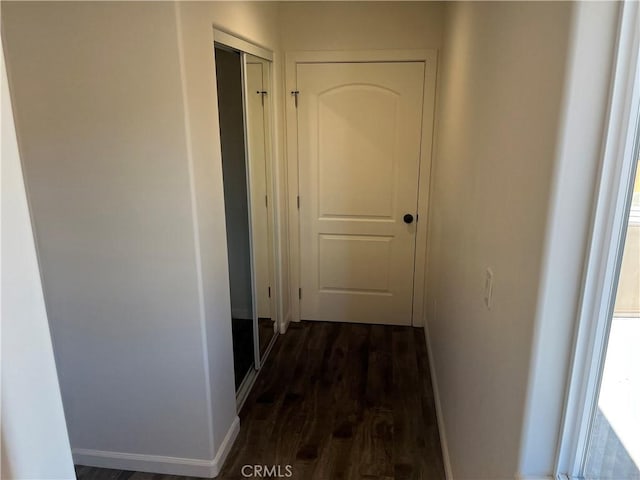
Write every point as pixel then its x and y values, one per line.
pixel 602 266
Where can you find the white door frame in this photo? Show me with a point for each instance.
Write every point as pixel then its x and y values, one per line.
pixel 603 260
pixel 292 59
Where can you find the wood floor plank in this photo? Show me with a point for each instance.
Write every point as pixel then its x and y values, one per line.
pixel 406 405
pixel 373 458
pixel 285 435
pixel 315 447
pixel 350 390
pixel 266 400
pixel 335 401
pixel 94 473
pixel 308 386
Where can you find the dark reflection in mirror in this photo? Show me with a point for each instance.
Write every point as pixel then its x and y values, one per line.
pixel 230 108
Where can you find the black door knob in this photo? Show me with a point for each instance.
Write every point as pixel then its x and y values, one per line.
pixel 408 218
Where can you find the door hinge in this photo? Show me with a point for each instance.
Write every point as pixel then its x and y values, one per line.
pixel 300 294
pixel 269 291
pixel 295 94
pixel 266 201
pixel 298 200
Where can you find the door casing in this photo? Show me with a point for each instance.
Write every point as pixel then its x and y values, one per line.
pixel 292 59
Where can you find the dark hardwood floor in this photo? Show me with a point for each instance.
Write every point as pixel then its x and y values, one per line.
pixel 335 401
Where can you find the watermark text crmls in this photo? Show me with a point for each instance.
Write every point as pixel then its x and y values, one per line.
pixel 267 471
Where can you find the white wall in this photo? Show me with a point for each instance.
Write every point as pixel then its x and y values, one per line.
pixel 116 115
pixel 34 437
pixel 501 82
pixel 516 155
pixel 101 129
pixel 360 25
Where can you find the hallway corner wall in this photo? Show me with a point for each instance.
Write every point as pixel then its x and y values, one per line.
pixel 116 118
pixel 99 116
pixel 523 100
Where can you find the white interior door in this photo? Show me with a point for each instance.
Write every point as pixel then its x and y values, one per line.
pixel 359 133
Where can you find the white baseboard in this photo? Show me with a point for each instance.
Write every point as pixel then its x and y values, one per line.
pixel 145 463
pixel 285 323
pixel 436 394
pixel 225 446
pixel 190 467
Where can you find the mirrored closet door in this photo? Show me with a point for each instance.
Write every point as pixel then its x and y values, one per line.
pixel 257 73
pixel 244 106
